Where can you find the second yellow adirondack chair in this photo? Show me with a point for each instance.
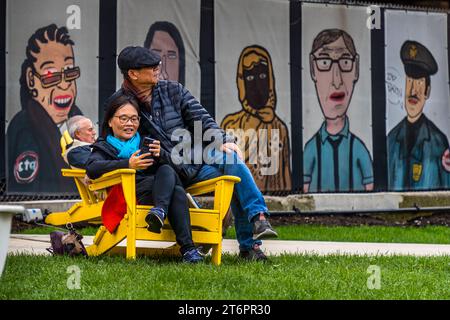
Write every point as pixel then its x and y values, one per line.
pixel 89 208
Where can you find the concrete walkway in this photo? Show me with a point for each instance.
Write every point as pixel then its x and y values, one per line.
pixel 36 244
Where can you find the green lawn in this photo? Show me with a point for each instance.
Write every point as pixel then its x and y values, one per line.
pixel 429 234
pixel 285 277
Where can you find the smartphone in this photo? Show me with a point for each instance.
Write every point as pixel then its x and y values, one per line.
pixel 145 145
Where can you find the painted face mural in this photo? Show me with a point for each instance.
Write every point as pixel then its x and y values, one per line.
pixel 416 93
pixel 165 39
pixel 335 159
pixel 256 82
pixel 52 78
pixel 48 92
pixel 165 46
pixel 262 135
pixel 334 70
pixel 416 146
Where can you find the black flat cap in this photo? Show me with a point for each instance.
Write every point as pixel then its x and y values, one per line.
pixel 417 59
pixel 137 58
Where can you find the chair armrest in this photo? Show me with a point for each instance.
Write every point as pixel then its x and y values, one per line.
pixel 210 185
pixel 110 179
pixel 73 173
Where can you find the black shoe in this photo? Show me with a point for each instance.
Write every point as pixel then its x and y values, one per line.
pixel 263 230
pixel 254 254
pixel 155 219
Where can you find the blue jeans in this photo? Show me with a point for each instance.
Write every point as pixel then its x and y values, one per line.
pixel 247 200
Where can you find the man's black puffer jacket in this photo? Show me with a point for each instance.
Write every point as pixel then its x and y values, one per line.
pixel 174 107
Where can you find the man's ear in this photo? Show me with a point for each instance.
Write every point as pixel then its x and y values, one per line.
pixel 132 74
pixel 356 67
pixel 30 78
pixel 311 68
pixel 75 135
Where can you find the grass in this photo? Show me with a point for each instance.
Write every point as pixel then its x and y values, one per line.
pixel 285 277
pixel 428 234
pixel 86 231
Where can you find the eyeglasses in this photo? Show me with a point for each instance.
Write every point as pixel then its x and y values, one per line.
pixel 124 119
pixel 54 78
pixel 324 64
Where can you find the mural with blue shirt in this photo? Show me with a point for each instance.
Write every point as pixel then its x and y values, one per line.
pixel 335 159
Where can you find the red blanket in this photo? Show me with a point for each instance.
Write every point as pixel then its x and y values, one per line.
pixel 114 208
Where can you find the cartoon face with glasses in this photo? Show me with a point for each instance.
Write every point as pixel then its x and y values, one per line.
pixel 165 39
pixel 51 78
pixel 335 70
pixel 335 159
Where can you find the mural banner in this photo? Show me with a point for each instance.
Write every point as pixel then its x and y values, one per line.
pixel 337 124
pixel 417 100
pixel 253 85
pixel 52 75
pixel 171 28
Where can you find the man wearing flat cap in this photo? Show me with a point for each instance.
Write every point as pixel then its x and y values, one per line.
pixel 166 109
pixel 416 146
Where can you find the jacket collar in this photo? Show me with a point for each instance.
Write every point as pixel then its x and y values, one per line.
pixel 103 145
pixel 344 132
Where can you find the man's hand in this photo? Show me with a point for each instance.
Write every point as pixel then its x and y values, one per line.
pixel 140 162
pixel 229 147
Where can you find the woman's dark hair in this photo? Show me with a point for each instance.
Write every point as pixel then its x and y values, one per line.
pixel 43 35
pixel 176 36
pixel 115 104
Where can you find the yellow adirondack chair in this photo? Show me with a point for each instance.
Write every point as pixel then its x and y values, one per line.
pixel 206 223
pixel 89 208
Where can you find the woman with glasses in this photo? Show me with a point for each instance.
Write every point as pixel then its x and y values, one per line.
pixel 119 148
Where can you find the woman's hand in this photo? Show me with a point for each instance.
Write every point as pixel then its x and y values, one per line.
pixel 140 162
pixel 155 148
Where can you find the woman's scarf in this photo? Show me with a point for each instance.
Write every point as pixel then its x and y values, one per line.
pixel 125 148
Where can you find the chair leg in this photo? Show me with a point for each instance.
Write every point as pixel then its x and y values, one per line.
pixel 217 253
pixel 131 240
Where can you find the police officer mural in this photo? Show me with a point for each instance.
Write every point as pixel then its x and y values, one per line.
pixel 47 92
pixel 416 146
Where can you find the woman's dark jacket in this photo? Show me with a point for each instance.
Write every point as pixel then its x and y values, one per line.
pixel 104 159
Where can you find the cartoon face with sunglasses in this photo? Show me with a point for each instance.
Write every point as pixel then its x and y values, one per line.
pixel 51 80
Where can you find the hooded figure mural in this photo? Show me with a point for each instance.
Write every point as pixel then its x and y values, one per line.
pixel 257 95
